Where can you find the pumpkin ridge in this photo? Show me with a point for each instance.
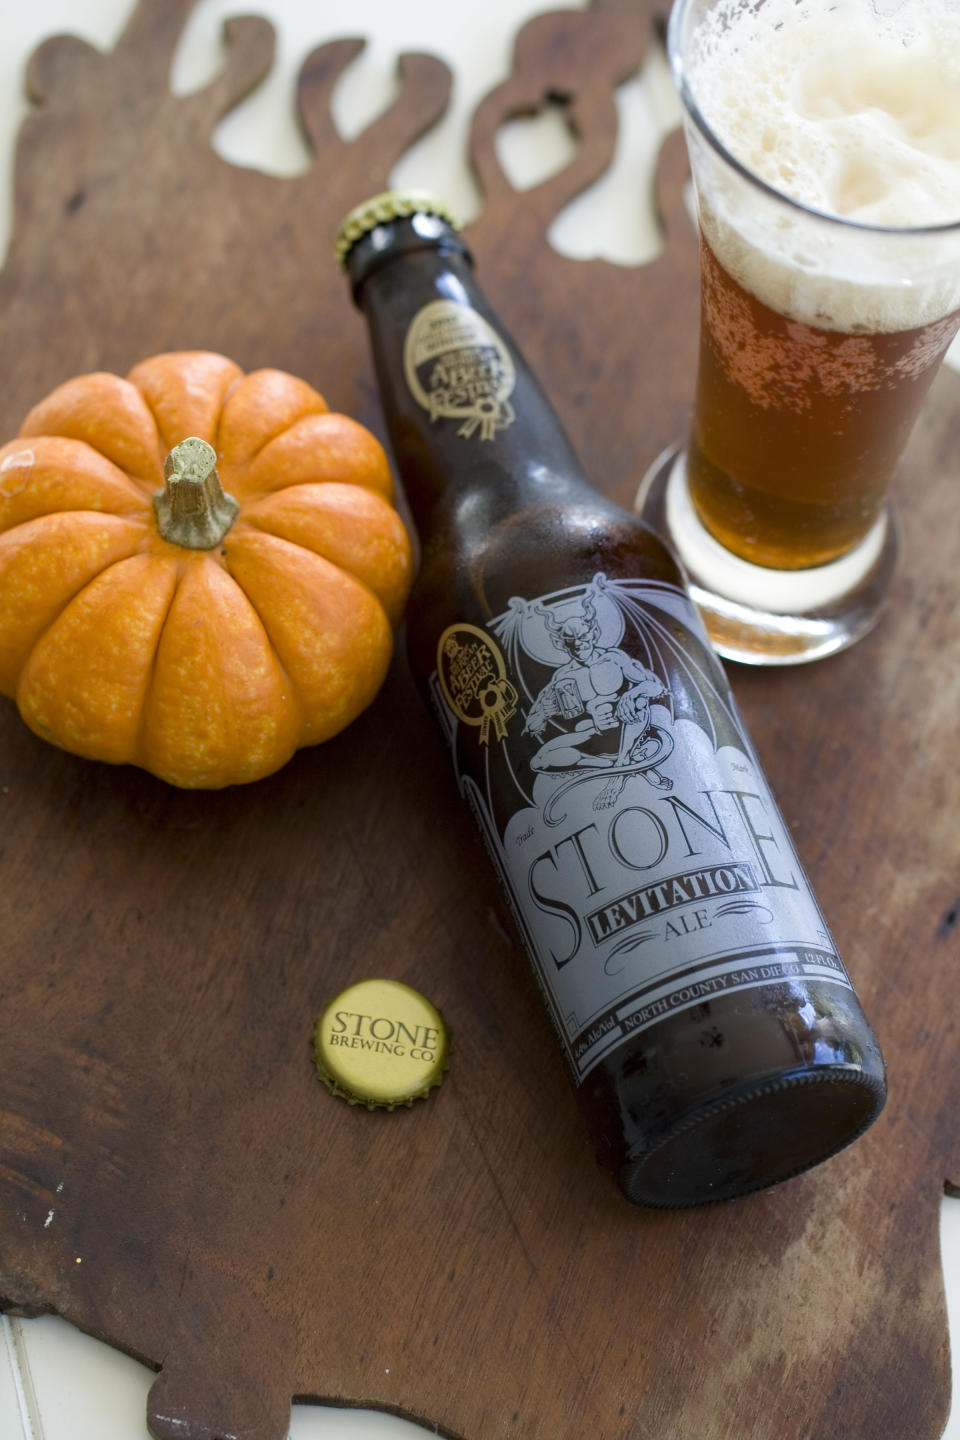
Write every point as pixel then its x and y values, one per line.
pixel 214 557
pixel 251 460
pixel 60 617
pixel 152 668
pixel 221 557
pixel 180 563
pixel 316 449
pixel 141 520
pixel 120 560
pixel 112 422
pixel 152 379
pixel 250 527
pixel 38 445
pixel 254 526
pixel 324 715
pixel 147 488
pixel 288 679
pixel 226 444
pixel 38 524
pixel 352 527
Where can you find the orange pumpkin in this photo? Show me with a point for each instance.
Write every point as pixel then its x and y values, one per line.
pixel 149 618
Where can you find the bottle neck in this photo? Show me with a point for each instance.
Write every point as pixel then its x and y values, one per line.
pixel 471 430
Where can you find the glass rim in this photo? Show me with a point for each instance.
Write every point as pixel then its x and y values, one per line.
pixel 695 114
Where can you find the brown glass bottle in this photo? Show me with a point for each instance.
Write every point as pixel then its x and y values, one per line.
pixel 715 1042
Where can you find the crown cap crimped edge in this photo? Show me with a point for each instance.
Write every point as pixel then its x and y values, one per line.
pixel 381 210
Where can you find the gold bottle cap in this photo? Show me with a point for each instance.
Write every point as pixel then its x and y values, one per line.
pixel 380 210
pixel 380 1044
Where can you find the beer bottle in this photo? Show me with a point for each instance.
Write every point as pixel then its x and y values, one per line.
pixel 713 1036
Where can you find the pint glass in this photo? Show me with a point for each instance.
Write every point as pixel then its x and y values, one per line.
pixel 827 179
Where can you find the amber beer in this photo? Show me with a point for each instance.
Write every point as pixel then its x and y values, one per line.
pixel 797 429
pixel 825 145
pixel 712 1034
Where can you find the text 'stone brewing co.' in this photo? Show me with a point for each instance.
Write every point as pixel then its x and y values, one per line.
pixel 713 1035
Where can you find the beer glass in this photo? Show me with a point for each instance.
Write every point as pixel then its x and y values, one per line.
pixel 821 328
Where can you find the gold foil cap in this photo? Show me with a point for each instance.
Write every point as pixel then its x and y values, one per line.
pixel 380 210
pixel 380 1044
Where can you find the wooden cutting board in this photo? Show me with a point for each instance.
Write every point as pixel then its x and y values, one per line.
pixel 172 1177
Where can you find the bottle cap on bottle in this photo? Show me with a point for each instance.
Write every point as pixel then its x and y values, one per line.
pixel 380 1044
pixel 382 210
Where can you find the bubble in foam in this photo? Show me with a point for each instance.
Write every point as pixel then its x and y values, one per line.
pixel 852 108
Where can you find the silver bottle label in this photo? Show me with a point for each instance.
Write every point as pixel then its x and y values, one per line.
pixel 644 857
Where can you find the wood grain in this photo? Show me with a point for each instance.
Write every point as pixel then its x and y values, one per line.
pixel 172 1177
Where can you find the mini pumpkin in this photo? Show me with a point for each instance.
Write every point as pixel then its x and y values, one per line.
pixel 200 570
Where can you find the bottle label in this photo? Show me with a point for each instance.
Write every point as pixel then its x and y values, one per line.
pixel 644 857
pixel 458 368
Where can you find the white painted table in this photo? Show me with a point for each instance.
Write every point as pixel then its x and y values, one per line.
pixel 55 1383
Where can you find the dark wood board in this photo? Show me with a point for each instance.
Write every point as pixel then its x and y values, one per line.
pixel 164 954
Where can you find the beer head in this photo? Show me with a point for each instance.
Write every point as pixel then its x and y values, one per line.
pixel 825 143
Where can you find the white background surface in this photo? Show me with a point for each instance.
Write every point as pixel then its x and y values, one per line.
pixel 56 1384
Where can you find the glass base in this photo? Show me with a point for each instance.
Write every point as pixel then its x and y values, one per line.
pixel 761 616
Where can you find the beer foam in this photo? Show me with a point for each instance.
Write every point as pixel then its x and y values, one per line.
pixel 852 108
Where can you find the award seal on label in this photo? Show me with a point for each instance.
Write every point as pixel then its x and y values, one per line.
pixel 474 680
pixel 458 368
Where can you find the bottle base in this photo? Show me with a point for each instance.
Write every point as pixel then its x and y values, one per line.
pixel 762 616
pixel 753 1139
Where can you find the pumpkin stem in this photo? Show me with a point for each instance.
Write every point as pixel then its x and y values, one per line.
pixel 193 510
